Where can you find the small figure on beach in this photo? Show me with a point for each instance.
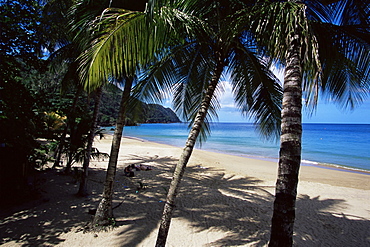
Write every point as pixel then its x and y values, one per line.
pixel 138 167
pixel 128 171
pixel 141 167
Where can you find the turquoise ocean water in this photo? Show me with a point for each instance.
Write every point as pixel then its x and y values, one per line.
pixel 337 145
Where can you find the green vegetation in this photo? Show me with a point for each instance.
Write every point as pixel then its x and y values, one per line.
pixel 158 114
pixel 45 116
pixel 139 112
pixel 19 55
pixel 155 48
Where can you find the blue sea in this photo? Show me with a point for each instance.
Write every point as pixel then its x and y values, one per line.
pixel 333 145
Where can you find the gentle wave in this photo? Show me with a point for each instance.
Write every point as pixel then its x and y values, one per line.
pixel 330 145
pixel 335 167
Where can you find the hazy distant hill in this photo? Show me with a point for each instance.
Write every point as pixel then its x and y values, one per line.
pixel 154 113
pixel 140 113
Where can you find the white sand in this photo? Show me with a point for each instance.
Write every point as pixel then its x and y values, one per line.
pixel 224 201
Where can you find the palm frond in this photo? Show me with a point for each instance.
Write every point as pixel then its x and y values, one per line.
pixel 195 66
pixel 158 77
pixel 344 46
pixel 193 70
pixel 117 50
pixel 257 92
pixel 335 44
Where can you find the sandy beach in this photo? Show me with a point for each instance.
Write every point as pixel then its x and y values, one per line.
pixel 224 200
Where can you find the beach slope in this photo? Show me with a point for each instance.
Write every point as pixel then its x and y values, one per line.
pixel 224 200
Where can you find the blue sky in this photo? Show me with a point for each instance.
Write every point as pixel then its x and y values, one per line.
pixel 325 112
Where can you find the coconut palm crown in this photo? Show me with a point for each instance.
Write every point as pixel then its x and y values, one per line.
pixel 324 47
pixel 194 68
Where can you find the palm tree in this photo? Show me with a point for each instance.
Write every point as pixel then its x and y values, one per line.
pixel 125 40
pixel 82 190
pixel 59 150
pixel 323 47
pixel 53 123
pixel 64 49
pixel 198 66
pixel 121 43
pixel 104 212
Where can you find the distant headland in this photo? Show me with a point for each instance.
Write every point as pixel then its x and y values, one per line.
pixel 137 112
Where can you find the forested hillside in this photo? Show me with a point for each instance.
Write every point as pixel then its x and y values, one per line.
pixel 138 112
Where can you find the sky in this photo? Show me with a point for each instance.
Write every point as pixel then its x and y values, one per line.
pixel 325 112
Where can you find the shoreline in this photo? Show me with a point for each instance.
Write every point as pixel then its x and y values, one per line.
pixel 338 168
pixel 224 200
pixel 303 162
pixel 275 160
pixel 267 169
pixel 352 160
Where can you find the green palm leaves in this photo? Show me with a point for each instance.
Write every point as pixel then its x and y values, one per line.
pixel 188 67
pixel 272 23
pixel 345 52
pixel 122 41
pixel 335 46
pixel 256 90
pixel 116 49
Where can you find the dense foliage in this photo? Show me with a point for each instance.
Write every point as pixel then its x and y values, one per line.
pixel 19 39
pixel 19 55
pixel 44 111
pixel 42 106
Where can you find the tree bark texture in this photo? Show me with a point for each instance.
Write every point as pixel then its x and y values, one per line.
pixel 185 156
pixel 290 148
pixel 82 191
pixel 104 212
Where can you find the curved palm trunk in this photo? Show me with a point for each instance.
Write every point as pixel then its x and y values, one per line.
pixel 290 149
pixel 185 156
pixel 104 212
pixel 82 191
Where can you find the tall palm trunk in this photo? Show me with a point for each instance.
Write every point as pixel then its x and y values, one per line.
pixel 290 148
pixel 82 191
pixel 185 156
pixel 104 212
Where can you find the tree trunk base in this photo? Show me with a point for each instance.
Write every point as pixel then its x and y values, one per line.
pixel 104 215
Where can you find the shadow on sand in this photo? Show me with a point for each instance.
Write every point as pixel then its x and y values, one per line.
pixel 208 199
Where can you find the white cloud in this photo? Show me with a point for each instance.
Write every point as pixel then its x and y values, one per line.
pixel 325 112
pixel 227 98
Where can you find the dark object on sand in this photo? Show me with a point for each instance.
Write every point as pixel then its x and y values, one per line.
pixel 129 169
pixel 141 167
